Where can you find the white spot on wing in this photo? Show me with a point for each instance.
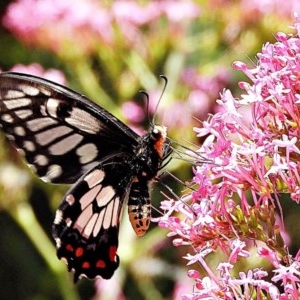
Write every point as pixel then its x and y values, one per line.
pixel 29 146
pixel 90 226
pixel 52 105
pixel 115 217
pixel 108 215
pixel 41 160
pixel 58 242
pixel 21 102
pixel 94 177
pixel 29 90
pixel 45 91
pixel 10 137
pixel 70 199
pixel 68 222
pixel 105 195
pixel 23 113
pixel 12 94
pixel 54 171
pixel 58 217
pixel 83 121
pixel 7 118
pixel 43 110
pixel 89 197
pixel 39 123
pixel 19 131
pixel 87 153
pixel 83 218
pixel 65 145
pixel 99 223
pixel 47 136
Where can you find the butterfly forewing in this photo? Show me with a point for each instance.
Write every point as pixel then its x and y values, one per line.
pixel 67 138
pixel 54 126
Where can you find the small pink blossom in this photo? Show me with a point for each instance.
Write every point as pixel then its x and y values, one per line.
pixel 133 112
pixel 180 10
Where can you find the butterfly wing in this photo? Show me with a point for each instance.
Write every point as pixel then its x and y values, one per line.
pixel 62 133
pixel 87 222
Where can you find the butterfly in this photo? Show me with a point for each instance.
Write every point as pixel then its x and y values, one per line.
pixel 68 139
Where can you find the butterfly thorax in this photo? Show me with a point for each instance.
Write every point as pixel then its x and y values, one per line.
pixel 149 152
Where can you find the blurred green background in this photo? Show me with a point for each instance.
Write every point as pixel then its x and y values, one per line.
pixel 109 50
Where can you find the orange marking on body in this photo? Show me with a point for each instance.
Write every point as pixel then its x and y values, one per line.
pixel 159 146
pixel 100 264
pixel 79 252
pixel 112 253
pixel 139 225
pixel 159 143
pixel 86 265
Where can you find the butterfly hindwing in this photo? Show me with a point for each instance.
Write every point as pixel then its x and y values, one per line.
pixel 54 125
pixel 87 222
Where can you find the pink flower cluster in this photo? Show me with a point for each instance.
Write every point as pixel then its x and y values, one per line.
pixel 233 216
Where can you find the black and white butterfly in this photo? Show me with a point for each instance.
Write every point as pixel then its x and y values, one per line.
pixel 67 138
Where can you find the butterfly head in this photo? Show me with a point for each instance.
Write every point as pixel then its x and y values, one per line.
pixel 158 135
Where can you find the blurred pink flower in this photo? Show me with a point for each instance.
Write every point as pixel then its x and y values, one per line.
pixel 264 7
pixel 80 26
pixel 38 70
pixel 134 13
pixel 133 112
pixel 177 11
pixel 112 287
pixel 53 23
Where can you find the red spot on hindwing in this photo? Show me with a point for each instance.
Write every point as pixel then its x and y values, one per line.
pixel 86 265
pixel 100 264
pixel 79 251
pixel 69 247
pixel 112 253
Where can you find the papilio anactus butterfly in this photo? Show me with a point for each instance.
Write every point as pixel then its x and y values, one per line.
pixel 66 138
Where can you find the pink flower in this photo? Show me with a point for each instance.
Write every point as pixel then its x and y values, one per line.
pixel 133 112
pixel 241 169
pixel 180 10
pixel 38 70
pixel 131 12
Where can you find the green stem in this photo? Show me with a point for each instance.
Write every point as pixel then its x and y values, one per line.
pixel 25 218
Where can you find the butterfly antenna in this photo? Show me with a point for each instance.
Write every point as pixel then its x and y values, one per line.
pixel 147 104
pixel 160 97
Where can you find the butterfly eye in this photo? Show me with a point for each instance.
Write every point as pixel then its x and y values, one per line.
pixel 155 134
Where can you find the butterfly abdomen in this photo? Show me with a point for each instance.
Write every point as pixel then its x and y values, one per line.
pixel 139 207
